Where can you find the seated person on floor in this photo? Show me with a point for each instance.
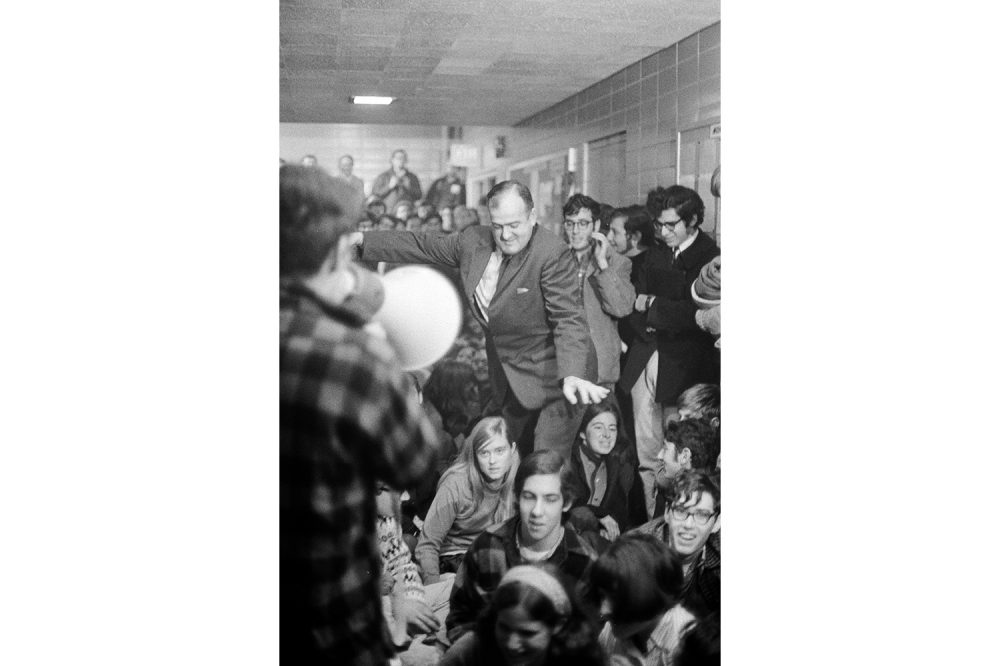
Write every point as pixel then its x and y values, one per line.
pixel 688 444
pixel 534 618
pixel 638 581
pixel 609 498
pixel 536 534
pixel 690 526
pixel 473 494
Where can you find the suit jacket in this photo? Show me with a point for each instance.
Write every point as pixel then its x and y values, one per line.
pixel 685 350
pixel 537 332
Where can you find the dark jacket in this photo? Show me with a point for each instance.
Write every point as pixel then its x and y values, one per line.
pixel 623 500
pixel 488 559
pixel 685 351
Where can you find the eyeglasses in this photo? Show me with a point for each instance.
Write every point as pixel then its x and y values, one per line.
pixel 573 224
pixel 660 225
pixel 701 517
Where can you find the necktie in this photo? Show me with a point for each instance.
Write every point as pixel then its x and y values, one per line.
pixel 488 284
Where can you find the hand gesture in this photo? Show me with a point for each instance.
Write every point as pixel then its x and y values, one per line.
pixel 416 615
pixel 393 182
pixel 609 528
pixel 588 391
pixel 601 250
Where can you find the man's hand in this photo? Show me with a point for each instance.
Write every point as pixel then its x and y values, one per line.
pixel 416 615
pixel 588 391
pixel 602 249
pixel 641 302
pixel 610 530
pixel 393 182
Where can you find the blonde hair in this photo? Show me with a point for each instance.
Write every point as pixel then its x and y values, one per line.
pixel 467 465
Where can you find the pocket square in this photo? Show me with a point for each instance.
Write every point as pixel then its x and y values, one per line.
pixel 522 290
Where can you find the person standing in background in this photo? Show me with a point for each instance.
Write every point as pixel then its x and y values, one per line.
pixel 346 166
pixel 397 182
pixel 447 191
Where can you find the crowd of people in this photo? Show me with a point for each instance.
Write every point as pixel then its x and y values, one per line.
pixel 549 491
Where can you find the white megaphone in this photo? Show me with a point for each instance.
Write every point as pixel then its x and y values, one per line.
pixel 421 315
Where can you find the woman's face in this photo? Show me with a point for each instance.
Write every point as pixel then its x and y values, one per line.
pixel 494 458
pixel 601 433
pixel 522 640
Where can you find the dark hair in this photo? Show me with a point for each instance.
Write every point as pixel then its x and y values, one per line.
pixel 578 202
pixel 433 216
pixel 314 210
pixel 702 398
pixel 546 461
pixel 689 486
pixel 701 643
pixel 398 150
pixel 574 638
pixel 640 575
pixel 685 202
pixel 609 404
pixel 638 221
pixel 697 435
pixel 506 186
pixel 448 389
pixel 607 211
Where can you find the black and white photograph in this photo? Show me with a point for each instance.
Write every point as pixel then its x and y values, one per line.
pixel 487 427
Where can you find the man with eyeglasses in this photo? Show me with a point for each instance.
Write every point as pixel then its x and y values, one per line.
pixel 683 353
pixel 604 278
pixel 690 526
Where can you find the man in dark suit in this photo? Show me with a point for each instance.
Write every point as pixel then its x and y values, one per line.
pixel 521 283
pixel 683 353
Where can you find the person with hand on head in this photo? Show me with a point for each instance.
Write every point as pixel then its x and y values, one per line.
pixel 534 619
pixel 473 494
pixel 397 182
pixel 608 294
pixel 522 287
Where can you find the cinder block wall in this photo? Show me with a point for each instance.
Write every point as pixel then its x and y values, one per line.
pixel 675 88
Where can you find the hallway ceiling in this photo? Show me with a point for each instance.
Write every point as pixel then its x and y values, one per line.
pixel 464 62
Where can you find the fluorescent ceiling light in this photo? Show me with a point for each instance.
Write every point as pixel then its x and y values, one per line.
pixel 370 99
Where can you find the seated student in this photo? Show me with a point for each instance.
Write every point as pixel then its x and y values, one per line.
pixel 473 494
pixel 544 493
pixel 609 497
pixel 409 608
pixel 687 444
pixel 638 581
pixel 534 618
pixel 690 526
pixel 454 391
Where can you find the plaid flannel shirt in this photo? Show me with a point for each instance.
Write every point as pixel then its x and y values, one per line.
pixel 346 418
pixel 488 559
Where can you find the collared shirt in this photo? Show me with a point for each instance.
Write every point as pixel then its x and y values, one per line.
pixel 686 244
pixel 346 418
pixel 661 646
pixel 487 286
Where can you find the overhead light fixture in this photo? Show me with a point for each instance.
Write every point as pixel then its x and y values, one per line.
pixel 371 99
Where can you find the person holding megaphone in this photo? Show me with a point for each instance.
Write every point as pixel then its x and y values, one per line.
pixel 520 281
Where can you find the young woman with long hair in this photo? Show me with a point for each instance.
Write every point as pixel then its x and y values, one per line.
pixel 475 492
pixel 533 619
